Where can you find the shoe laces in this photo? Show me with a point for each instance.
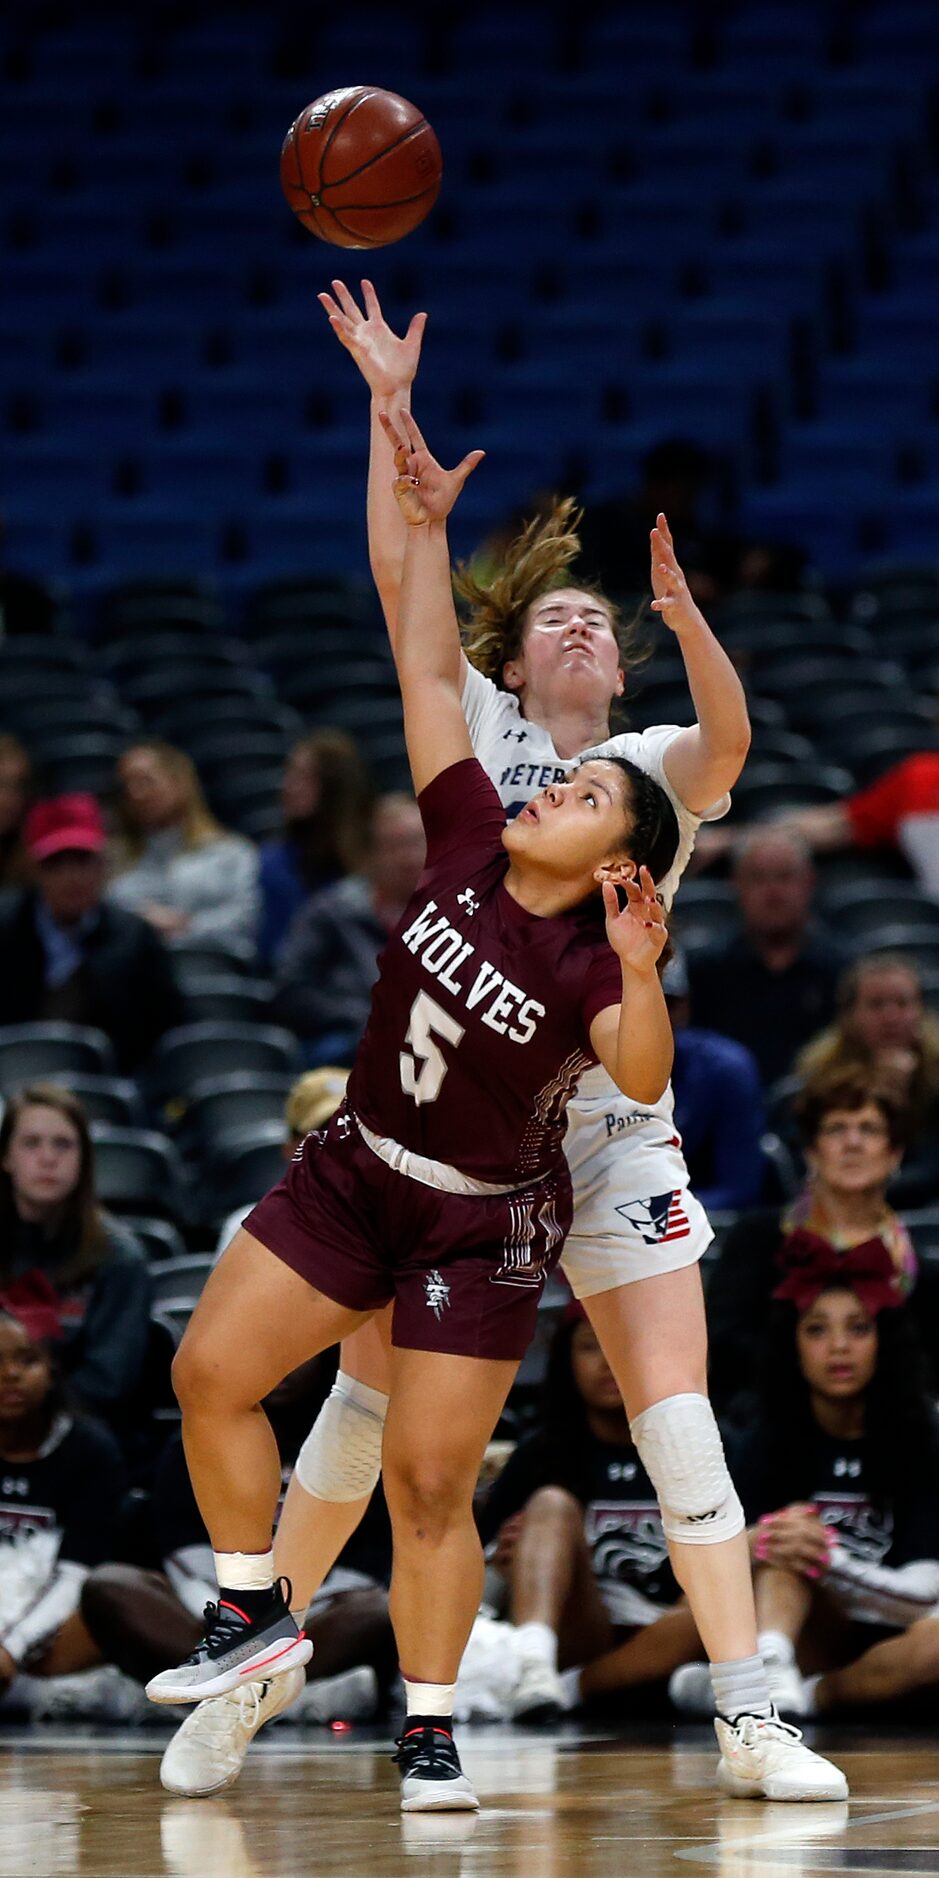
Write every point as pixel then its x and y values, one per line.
pixel 753 1728
pixel 213 1718
pixel 422 1751
pixel 221 1626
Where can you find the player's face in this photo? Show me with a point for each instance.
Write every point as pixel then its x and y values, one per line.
pixel 572 828
pixel 593 1376
pixel 852 1152
pixel 836 1341
pixel 43 1160
pixel 25 1374
pixel 569 656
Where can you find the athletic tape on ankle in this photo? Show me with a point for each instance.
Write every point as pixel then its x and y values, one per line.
pixel 341 1457
pixel 681 1450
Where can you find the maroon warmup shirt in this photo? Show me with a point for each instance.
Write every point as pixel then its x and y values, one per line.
pixel 480 1021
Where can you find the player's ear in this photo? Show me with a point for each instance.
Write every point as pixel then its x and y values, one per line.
pixel 617 870
pixel 513 676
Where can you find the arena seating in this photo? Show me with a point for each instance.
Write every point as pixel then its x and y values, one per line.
pixel 184 448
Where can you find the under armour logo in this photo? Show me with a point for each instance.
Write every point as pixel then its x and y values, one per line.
pixel 436 1294
pixel 468 899
pixel 343 1126
pixel 516 736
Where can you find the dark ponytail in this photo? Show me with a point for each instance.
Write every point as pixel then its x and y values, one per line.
pixel 654 834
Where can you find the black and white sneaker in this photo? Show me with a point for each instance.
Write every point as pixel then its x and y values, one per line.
pixel 432 1780
pixel 236 1649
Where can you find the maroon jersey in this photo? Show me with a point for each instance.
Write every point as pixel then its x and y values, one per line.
pixel 480 1019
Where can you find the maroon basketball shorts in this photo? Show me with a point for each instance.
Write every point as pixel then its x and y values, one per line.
pixel 465 1271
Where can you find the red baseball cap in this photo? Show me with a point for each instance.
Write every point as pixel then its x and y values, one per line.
pixel 63 824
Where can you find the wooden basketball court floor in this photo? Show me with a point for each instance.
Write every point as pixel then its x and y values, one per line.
pixel 81 1805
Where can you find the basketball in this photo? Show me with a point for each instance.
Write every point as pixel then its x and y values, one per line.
pixel 360 167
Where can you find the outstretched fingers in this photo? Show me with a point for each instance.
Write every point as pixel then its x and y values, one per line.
pixel 466 468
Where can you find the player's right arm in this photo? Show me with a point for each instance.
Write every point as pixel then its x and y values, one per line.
pixel 388 365
pixel 427 649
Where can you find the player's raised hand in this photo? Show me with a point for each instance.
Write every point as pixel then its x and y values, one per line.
pixel 387 363
pixel 637 932
pixel 424 491
pixel 672 598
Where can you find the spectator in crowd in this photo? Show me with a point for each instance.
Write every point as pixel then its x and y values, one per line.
pixel 854 1135
pixel 899 810
pixel 578 1540
pixel 68 954
pixel 885 1030
pixel 174 863
pixel 315 1096
pixel 771 985
pixel 143 1620
pixel 61 1484
pixel 58 1248
pixel 328 964
pixel 16 778
pixel 327 800
pixel 839 1477
pixel 719 1109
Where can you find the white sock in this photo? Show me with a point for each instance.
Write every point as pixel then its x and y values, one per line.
pixel 775 1647
pixel 429 1698
pixel 245 1571
pixel 538 1643
pixel 570 1688
pixel 809 1687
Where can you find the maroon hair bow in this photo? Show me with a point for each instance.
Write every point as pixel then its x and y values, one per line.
pixel 811 1265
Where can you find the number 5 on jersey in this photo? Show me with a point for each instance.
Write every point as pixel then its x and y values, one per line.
pixel 424 1070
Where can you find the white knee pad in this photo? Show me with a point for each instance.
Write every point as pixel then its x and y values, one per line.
pixel 341 1456
pixel 681 1450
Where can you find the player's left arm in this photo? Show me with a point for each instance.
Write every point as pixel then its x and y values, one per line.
pixel 427 650
pixel 633 1039
pixel 705 760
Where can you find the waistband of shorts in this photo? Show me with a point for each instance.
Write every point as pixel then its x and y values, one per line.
pixel 419 1167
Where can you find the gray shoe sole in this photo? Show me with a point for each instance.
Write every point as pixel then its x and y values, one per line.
pixel 270 1659
pixel 440 1796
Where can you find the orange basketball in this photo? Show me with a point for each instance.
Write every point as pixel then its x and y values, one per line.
pixel 360 167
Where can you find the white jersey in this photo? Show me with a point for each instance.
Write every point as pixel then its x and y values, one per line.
pixel 633 1212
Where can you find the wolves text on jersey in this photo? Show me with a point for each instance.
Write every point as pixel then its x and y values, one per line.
pixel 443 951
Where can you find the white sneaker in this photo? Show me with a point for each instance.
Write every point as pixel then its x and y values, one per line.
pixel 207 1752
pixel 768 1760
pixel 351 1696
pixel 537 1696
pixel 690 1690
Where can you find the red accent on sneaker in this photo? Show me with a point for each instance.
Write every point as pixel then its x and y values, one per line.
pixel 419 1731
pixel 225 1604
pixel 252 1669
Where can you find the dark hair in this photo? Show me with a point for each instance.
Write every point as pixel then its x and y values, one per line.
pixel 563 1420
pixel 848 1089
pixel 899 1418
pixel 82 1232
pixel 654 835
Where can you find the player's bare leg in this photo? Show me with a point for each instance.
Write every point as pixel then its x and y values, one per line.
pixel 314 1526
pixel 256 1321
pixel 653 1334
pixel 442 1413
